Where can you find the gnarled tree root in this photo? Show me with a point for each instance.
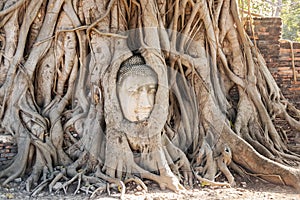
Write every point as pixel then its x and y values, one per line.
pixel 247 157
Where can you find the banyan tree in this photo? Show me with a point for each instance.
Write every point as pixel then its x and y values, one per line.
pixel 111 91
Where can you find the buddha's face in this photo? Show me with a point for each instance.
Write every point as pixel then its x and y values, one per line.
pixel 137 95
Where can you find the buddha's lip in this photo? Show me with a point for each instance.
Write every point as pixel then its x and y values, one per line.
pixel 142 113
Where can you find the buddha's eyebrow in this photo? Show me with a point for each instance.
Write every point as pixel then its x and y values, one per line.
pixel 136 87
pixel 149 85
pixel 133 88
pixel 152 85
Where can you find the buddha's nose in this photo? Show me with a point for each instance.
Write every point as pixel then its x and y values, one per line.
pixel 144 101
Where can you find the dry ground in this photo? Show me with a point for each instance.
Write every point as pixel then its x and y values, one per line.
pixel 246 189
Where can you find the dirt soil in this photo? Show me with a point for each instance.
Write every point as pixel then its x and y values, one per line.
pixel 252 188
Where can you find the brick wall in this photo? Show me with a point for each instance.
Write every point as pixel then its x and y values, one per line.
pixel 267 32
pixel 279 54
pixel 8 149
pixel 283 60
pixel 288 77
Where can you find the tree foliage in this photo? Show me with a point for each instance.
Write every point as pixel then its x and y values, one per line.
pixel 261 7
pixel 288 10
pixel 291 24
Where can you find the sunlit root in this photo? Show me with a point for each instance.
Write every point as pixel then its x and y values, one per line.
pixel 223 161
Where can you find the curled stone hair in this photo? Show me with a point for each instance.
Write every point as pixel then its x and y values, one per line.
pixel 135 65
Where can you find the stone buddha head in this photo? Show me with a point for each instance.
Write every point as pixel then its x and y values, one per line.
pixel 136 88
